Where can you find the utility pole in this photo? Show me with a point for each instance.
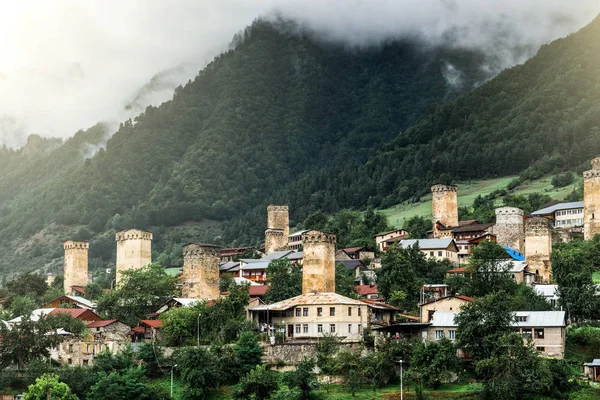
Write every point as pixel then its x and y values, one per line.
pixel 172 368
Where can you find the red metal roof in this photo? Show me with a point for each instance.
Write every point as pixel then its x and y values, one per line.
pixel 100 324
pixel 154 323
pixel 255 290
pixel 466 298
pixel 364 290
pixel 79 289
pixel 456 270
pixel 468 222
pixel 78 313
pixel 353 249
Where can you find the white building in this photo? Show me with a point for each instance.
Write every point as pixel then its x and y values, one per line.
pixel 563 215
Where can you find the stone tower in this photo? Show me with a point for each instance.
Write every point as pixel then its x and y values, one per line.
pixel 591 200
pixel 444 206
pixel 134 250
pixel 538 247
pixel 509 229
pixel 76 265
pixel 278 228
pixel 318 267
pixel 200 276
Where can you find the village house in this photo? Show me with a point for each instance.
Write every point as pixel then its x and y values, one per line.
pixel 437 249
pixel 367 291
pixel 451 303
pixel 563 215
pixel 295 240
pixel 547 329
pixel 70 301
pixel 229 254
pixel 548 292
pixel 386 239
pixel 354 253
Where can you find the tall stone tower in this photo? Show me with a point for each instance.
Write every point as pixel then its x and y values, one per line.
pixel 509 228
pixel 538 247
pixel 278 228
pixel 200 276
pixel 318 267
pixel 134 250
pixel 75 264
pixel 444 206
pixel 591 200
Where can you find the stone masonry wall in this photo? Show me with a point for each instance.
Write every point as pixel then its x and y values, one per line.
pixel 538 247
pixel 278 218
pixel 75 264
pixel 318 267
pixel 134 250
pixel 200 276
pixel 444 206
pixel 509 228
pixel 591 200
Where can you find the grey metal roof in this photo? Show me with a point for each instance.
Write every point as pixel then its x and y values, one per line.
pixel 550 291
pixel 228 265
pixel 276 255
pixel 560 206
pixel 535 319
pixel 517 266
pixel 427 244
pixel 259 264
pixel 297 233
pixel 595 363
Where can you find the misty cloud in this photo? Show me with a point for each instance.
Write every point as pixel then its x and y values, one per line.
pixel 66 65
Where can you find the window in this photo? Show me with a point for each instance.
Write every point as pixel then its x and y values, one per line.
pixel 298 312
pixel 540 348
pixel 70 349
pixel 305 328
pixel 332 311
pixel 521 318
pixel 320 328
pixel 452 335
pixel 349 311
pixel 431 254
pixel 70 361
pixel 349 328
pixel 305 312
pixel 359 312
pixel 439 335
pixel 298 328
pixel 359 328
pixel 319 312
pixel 439 253
pixel 538 333
pixel 526 332
pixel 332 328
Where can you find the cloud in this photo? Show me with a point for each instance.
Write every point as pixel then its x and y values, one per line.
pixel 66 65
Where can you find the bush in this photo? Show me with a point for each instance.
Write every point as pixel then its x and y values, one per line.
pixel 259 383
pixel 562 180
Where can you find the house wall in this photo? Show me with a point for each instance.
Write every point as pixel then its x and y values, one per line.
pixel 591 200
pixel 355 315
pixel 134 250
pixel 75 265
pixel 445 254
pixel 380 239
pixel 200 278
pixel 444 203
pixel 78 351
pixel 450 304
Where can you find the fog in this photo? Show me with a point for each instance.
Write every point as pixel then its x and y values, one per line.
pixel 66 65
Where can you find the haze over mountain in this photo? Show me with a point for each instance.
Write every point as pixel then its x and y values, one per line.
pixel 67 65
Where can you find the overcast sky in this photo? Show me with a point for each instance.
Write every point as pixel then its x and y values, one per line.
pixel 67 64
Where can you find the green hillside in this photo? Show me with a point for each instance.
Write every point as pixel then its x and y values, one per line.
pixel 468 191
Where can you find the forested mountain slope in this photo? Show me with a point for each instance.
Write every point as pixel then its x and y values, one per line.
pixel 280 117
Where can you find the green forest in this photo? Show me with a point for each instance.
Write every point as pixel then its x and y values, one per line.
pixel 285 118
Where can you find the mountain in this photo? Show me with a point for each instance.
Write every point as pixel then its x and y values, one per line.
pixel 279 108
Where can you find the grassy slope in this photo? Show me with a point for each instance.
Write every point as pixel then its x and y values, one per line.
pixel 468 191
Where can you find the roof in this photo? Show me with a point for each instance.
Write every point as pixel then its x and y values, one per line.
pixel 467 222
pixel 388 232
pixel 461 297
pixel 255 264
pixel 244 281
pixel 77 299
pixel 297 233
pixel 276 255
pixel 379 305
pixel 472 227
pixel 459 270
pixel 77 313
pixel 534 319
pixel 515 266
pixel 427 244
pixel 153 323
pixel 101 324
pixel 365 290
pixel 34 316
pixel 595 363
pixel 228 265
pixel 78 289
pixel 514 254
pixel 255 291
pixel 351 264
pixel 546 290
pixel 298 255
pixel 309 299
pixel 559 206
pixel 352 249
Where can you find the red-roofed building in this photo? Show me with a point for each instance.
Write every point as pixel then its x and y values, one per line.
pixel 257 291
pixel 81 314
pixel 148 329
pixel 367 291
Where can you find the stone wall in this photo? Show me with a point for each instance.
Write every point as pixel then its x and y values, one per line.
pixel 275 240
pixel 278 218
pixel 318 266
pixel 591 200
pixel 509 228
pixel 538 247
pixel 288 353
pixel 134 250
pixel 75 264
pixel 444 206
pixel 200 278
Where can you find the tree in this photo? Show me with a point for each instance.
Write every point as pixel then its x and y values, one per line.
pixel 285 280
pixel 47 386
pixel 433 362
pixel 225 281
pixel 179 326
pixel 127 384
pixel 199 370
pixel 417 227
pixel 152 357
pixel 488 269
pixel 303 378
pixel 259 383
pixel 93 291
pixel 513 370
pixel 248 351
pixel 344 281
pixel 139 293
pixel 27 284
pixel 481 323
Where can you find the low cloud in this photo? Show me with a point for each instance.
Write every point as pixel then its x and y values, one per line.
pixel 66 65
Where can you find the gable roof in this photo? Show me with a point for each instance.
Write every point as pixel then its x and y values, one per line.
pixel 78 313
pixel 258 290
pixel 83 302
pixel 460 297
pixel 153 323
pixel 557 207
pixel 468 222
pixel 352 264
pixel 365 290
pixel 471 227
pixel 309 299
pixel 101 324
pixel 427 244
pixel 388 232
pixel 535 319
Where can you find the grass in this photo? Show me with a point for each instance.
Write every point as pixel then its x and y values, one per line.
pixel 596 276
pixel 468 191
pixel 446 391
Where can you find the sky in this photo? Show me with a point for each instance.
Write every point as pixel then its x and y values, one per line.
pixel 67 64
